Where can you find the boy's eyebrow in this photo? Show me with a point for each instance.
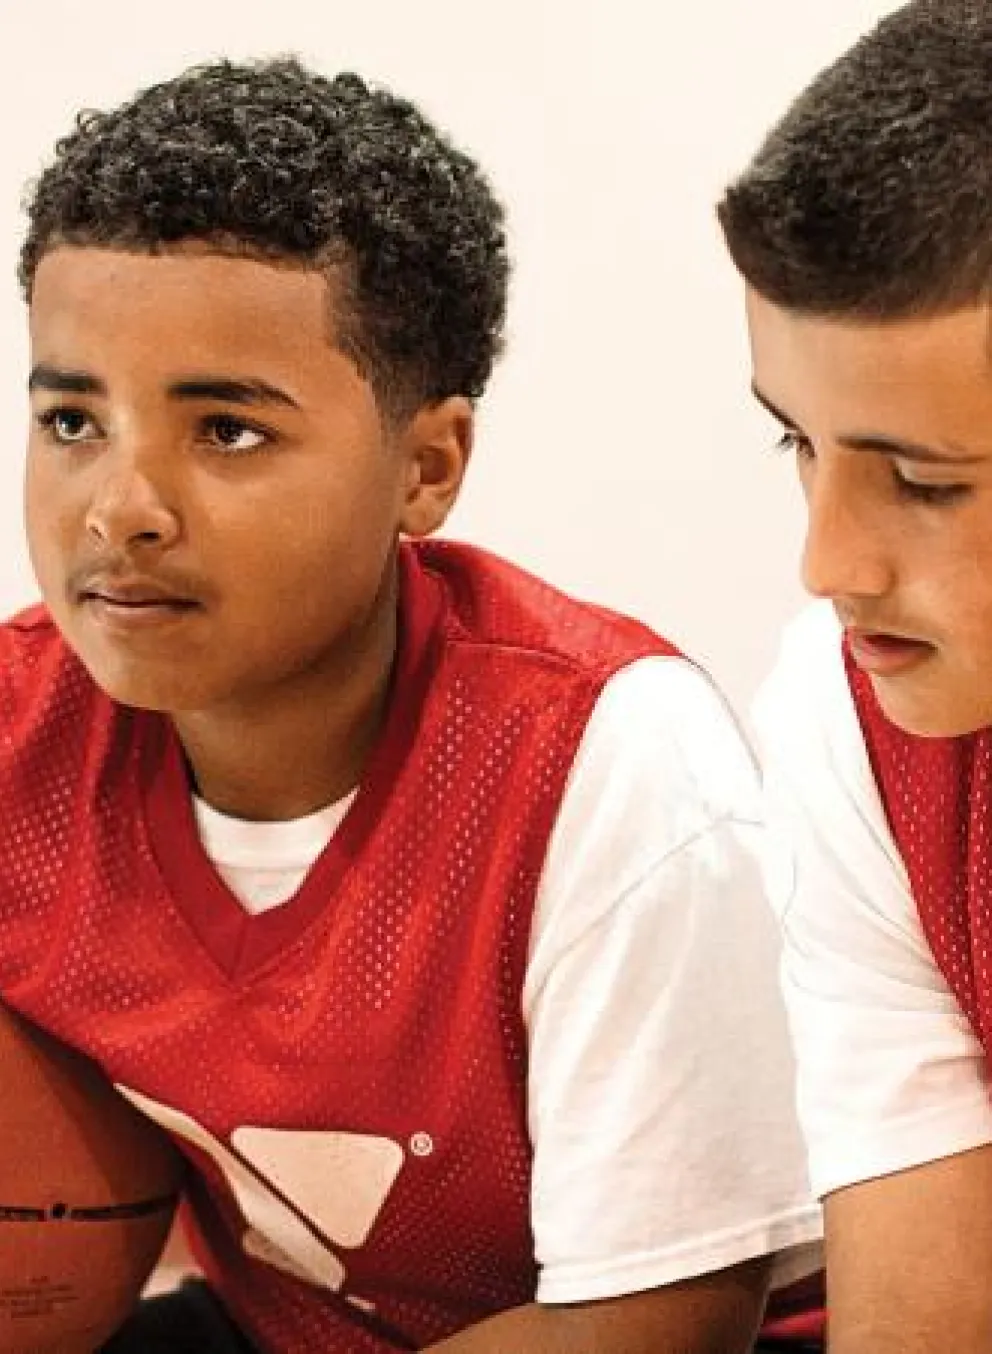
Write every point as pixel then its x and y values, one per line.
pixel 225 389
pixel 879 442
pixel 769 408
pixel 46 377
pixel 230 391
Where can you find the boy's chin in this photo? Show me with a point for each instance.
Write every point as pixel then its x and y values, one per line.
pixel 932 709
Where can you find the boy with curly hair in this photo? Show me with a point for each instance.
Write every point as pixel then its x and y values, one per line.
pixel 416 900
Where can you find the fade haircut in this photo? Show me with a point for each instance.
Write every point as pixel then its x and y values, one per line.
pixel 270 160
pixel 872 198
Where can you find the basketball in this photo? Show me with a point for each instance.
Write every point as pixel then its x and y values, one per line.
pixel 87 1194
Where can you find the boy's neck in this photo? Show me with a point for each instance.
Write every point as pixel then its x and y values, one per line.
pixel 287 754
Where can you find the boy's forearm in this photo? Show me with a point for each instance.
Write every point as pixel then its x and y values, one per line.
pixel 715 1314
pixel 525 1330
pixel 908 1259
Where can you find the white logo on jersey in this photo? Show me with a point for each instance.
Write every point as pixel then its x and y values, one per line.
pixel 421 1144
pixel 300 1192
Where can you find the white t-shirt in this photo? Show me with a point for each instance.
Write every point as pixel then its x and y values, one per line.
pixel 890 1073
pixel 661 1082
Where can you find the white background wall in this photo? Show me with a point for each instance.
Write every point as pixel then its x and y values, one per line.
pixel 618 454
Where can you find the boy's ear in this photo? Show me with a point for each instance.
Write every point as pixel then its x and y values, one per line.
pixel 436 444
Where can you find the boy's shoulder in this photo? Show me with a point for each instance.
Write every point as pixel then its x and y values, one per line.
pixel 493 604
pixel 27 638
pixel 38 670
pixel 31 623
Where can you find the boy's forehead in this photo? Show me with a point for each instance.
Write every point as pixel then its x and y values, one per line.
pixel 140 320
pixel 873 355
pixel 937 368
pixel 192 264
pixel 85 291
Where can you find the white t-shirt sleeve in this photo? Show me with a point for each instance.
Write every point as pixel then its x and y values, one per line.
pixel 890 1072
pixel 661 1084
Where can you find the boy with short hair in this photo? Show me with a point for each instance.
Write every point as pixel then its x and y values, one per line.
pixel 418 901
pixel 863 231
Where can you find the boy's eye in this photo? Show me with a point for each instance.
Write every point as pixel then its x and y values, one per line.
pixel 233 434
pixel 791 440
pixel 68 425
pixel 935 494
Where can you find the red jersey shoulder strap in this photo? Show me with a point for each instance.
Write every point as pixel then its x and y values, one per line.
pixel 937 794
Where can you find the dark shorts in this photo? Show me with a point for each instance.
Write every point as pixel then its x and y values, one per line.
pixel 789 1347
pixel 189 1320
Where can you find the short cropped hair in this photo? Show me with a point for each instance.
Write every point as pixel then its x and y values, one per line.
pixel 274 161
pixel 873 196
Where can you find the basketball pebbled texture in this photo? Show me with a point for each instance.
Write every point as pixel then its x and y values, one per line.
pixel 88 1188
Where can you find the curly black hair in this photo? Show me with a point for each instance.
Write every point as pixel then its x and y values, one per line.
pixel 270 159
pixel 872 197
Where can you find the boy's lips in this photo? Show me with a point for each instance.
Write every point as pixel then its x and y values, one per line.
pixel 883 653
pixel 136 595
pixel 128 587
pixel 130 602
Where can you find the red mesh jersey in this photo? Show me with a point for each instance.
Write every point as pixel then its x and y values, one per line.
pixel 937 794
pixel 348 1071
